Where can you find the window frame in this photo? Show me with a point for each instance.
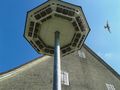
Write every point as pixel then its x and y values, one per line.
pixel 110 86
pixel 65 78
pixel 81 54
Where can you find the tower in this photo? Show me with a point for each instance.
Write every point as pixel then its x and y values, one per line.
pixel 55 28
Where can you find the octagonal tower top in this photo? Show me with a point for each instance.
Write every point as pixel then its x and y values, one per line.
pixel 55 15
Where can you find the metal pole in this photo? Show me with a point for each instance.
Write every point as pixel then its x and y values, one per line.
pixel 57 63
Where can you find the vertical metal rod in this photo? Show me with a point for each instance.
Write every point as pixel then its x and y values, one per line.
pixel 57 63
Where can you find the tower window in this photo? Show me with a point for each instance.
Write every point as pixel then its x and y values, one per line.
pixel 64 78
pixel 110 87
pixel 81 54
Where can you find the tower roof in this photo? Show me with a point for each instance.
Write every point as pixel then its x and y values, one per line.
pixel 54 15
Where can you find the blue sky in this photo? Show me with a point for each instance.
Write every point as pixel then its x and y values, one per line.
pixel 15 50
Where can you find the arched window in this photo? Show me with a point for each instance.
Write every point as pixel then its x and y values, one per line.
pixel 81 54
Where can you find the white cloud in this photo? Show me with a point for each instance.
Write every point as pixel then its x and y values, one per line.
pixel 108 55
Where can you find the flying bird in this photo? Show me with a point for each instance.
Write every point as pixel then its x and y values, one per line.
pixel 107 27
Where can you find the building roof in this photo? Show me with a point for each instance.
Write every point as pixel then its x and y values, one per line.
pixel 101 61
pixel 43 58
